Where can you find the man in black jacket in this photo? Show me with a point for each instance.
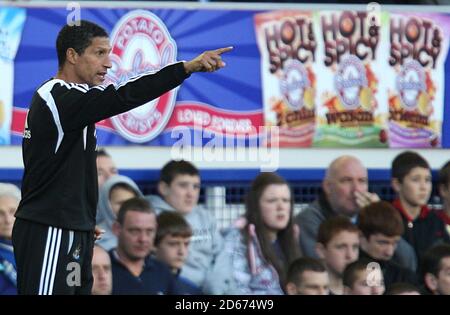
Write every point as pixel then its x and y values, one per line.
pixel 134 270
pixel 54 232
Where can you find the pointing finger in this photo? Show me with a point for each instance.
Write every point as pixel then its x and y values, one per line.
pixel 223 50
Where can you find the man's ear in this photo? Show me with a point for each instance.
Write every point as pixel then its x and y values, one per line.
pixel 291 288
pixel 320 250
pixel 163 189
pixel 71 56
pixel 431 282
pixel 363 241
pixel 444 191
pixel 396 185
pixel 325 186
pixel 116 227
pixel 441 190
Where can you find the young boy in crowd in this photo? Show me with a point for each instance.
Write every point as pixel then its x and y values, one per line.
pixel 436 270
pixel 179 189
pixel 363 277
pixel 381 229
pixel 444 192
pixel 337 245
pixel 411 180
pixel 172 246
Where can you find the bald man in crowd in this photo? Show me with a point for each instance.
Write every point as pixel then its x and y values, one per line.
pixel 101 271
pixel 344 192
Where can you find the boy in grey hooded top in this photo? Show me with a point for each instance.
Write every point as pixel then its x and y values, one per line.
pixel 179 187
pixel 116 190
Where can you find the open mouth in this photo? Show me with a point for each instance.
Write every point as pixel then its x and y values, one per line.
pixel 101 75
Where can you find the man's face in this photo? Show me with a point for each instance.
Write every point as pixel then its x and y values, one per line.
pixel 314 283
pixel 137 234
pixel 443 280
pixel 117 196
pixel 380 246
pixel 362 285
pixel 101 270
pixel 173 250
pixel 8 207
pixel 347 178
pixel 91 66
pixel 182 193
pixel 275 204
pixel 340 251
pixel 105 169
pixel 415 189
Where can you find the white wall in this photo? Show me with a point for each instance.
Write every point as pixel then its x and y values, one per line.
pixel 156 157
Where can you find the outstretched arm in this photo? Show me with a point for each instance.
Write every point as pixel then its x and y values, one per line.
pixel 208 61
pixel 78 105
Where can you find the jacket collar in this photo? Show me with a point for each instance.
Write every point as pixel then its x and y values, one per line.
pixel 424 211
pixel 149 262
pixel 325 206
pixel 443 216
pixel 364 255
